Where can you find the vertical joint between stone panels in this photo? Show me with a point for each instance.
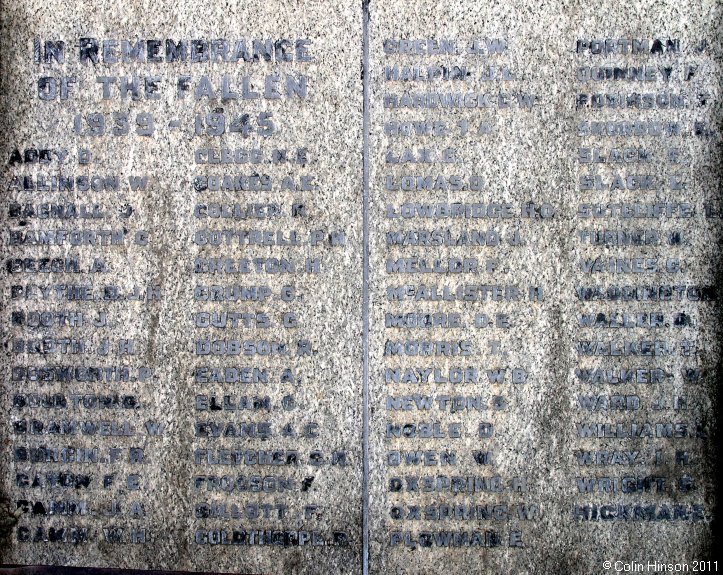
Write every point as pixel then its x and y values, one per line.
pixel 365 286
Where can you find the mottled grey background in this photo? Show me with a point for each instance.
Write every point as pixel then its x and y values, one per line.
pixel 529 156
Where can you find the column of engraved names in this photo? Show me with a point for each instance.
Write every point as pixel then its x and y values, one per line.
pixel 456 235
pixel 82 423
pixel 266 450
pixel 643 287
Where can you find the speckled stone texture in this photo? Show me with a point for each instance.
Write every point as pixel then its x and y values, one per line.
pixel 478 403
pixel 531 156
pixel 324 385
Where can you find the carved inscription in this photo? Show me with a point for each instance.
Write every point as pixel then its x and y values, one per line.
pixel 180 393
pixel 387 287
pixel 639 387
pixel 452 300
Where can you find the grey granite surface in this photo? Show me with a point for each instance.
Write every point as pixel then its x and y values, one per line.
pixel 284 301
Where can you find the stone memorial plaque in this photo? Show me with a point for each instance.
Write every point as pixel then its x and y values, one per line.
pixel 183 286
pixel 377 287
